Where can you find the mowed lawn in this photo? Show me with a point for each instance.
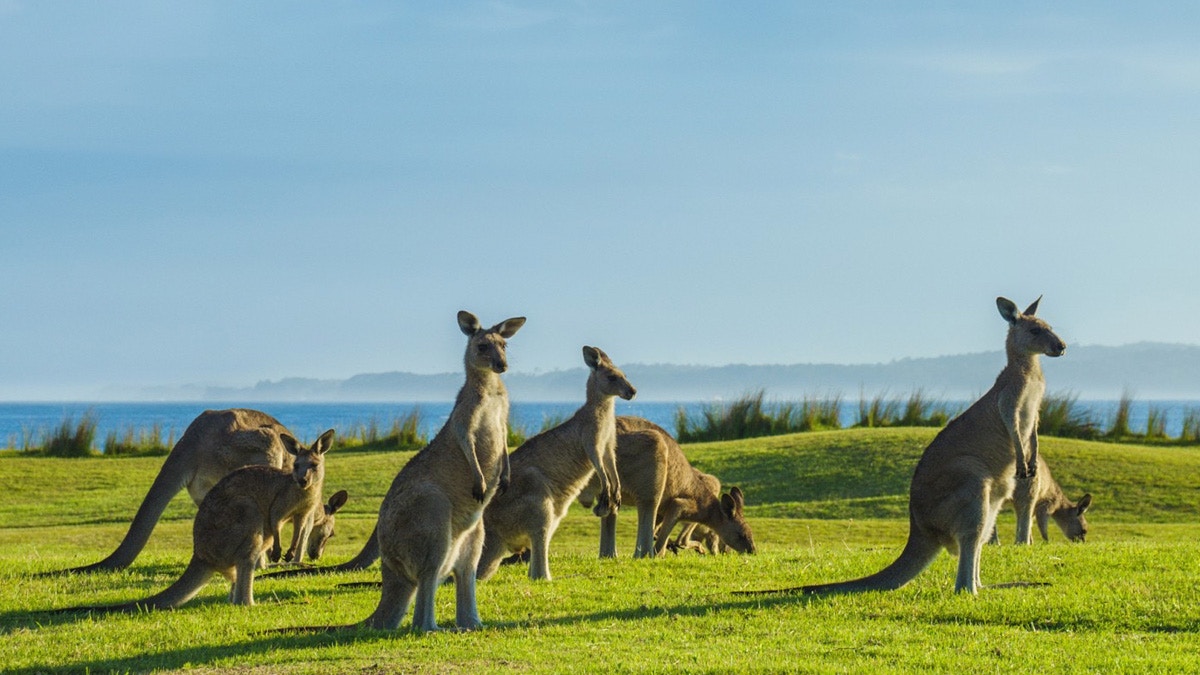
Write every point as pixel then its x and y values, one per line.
pixel 824 507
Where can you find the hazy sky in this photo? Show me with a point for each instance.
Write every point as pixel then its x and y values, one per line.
pixel 228 192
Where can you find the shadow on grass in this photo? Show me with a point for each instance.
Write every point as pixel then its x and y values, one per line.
pixel 301 637
pixel 11 622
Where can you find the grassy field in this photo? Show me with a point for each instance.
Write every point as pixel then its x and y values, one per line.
pixel 824 506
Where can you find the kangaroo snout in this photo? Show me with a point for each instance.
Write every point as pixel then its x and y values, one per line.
pixel 629 393
pixel 1057 350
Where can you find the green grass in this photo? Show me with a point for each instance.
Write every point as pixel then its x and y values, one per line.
pixel 824 506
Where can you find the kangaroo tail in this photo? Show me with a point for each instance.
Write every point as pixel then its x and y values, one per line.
pixel 365 558
pixel 189 584
pixel 919 552
pixel 170 480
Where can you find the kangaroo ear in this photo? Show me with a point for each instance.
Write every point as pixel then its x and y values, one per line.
pixel 468 323
pixel 729 505
pixel 1032 309
pixel 736 493
pixel 509 327
pixel 1084 504
pixel 324 443
pixel 290 444
pixel 1008 309
pixel 336 502
pixel 592 357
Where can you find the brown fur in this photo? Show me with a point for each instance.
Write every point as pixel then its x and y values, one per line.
pixel 1049 502
pixel 550 469
pixel 216 443
pixel 657 478
pixel 698 538
pixel 238 524
pixel 973 465
pixel 431 520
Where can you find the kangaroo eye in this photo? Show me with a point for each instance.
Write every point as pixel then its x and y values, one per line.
pixel 613 378
pixel 482 349
pixel 1036 331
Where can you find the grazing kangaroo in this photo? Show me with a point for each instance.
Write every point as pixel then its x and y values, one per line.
pixel 216 443
pixel 431 520
pixel 550 469
pixel 972 465
pixel 1049 501
pixel 238 523
pixel 656 477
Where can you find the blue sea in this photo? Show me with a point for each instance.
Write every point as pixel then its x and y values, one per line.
pixel 24 424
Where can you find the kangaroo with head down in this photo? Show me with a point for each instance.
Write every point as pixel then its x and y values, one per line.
pixel 1049 501
pixel 656 477
pixel 550 469
pixel 238 523
pixel 431 520
pixel 216 443
pixel 973 465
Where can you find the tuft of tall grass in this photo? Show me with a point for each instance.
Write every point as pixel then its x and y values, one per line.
pixel 877 412
pixel 750 417
pixel 71 438
pixel 916 411
pixel 404 433
pixel 138 441
pixel 1120 423
pixel 1156 423
pixel 1062 416
pixel 1190 432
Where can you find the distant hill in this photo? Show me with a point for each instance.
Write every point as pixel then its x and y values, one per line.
pixel 1147 370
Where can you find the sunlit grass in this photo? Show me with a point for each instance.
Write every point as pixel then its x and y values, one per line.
pixel 1128 600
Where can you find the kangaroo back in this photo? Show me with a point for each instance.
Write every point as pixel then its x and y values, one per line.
pixel 216 443
pixel 238 520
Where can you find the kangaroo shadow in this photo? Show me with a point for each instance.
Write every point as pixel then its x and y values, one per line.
pixel 11 622
pixel 288 638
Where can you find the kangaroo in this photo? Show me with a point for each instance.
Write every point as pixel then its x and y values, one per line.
pixel 239 521
pixel 550 469
pixel 1049 501
pixel 972 466
pixel 698 538
pixel 655 476
pixel 214 444
pixel 431 520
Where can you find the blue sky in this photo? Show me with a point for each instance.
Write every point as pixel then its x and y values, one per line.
pixel 227 192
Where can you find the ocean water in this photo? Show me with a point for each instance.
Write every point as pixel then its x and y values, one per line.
pixel 23 424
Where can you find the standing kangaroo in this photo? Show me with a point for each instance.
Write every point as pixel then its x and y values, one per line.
pixel 973 464
pixel 238 524
pixel 1049 501
pixel 216 443
pixel 656 476
pixel 431 520
pixel 550 469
